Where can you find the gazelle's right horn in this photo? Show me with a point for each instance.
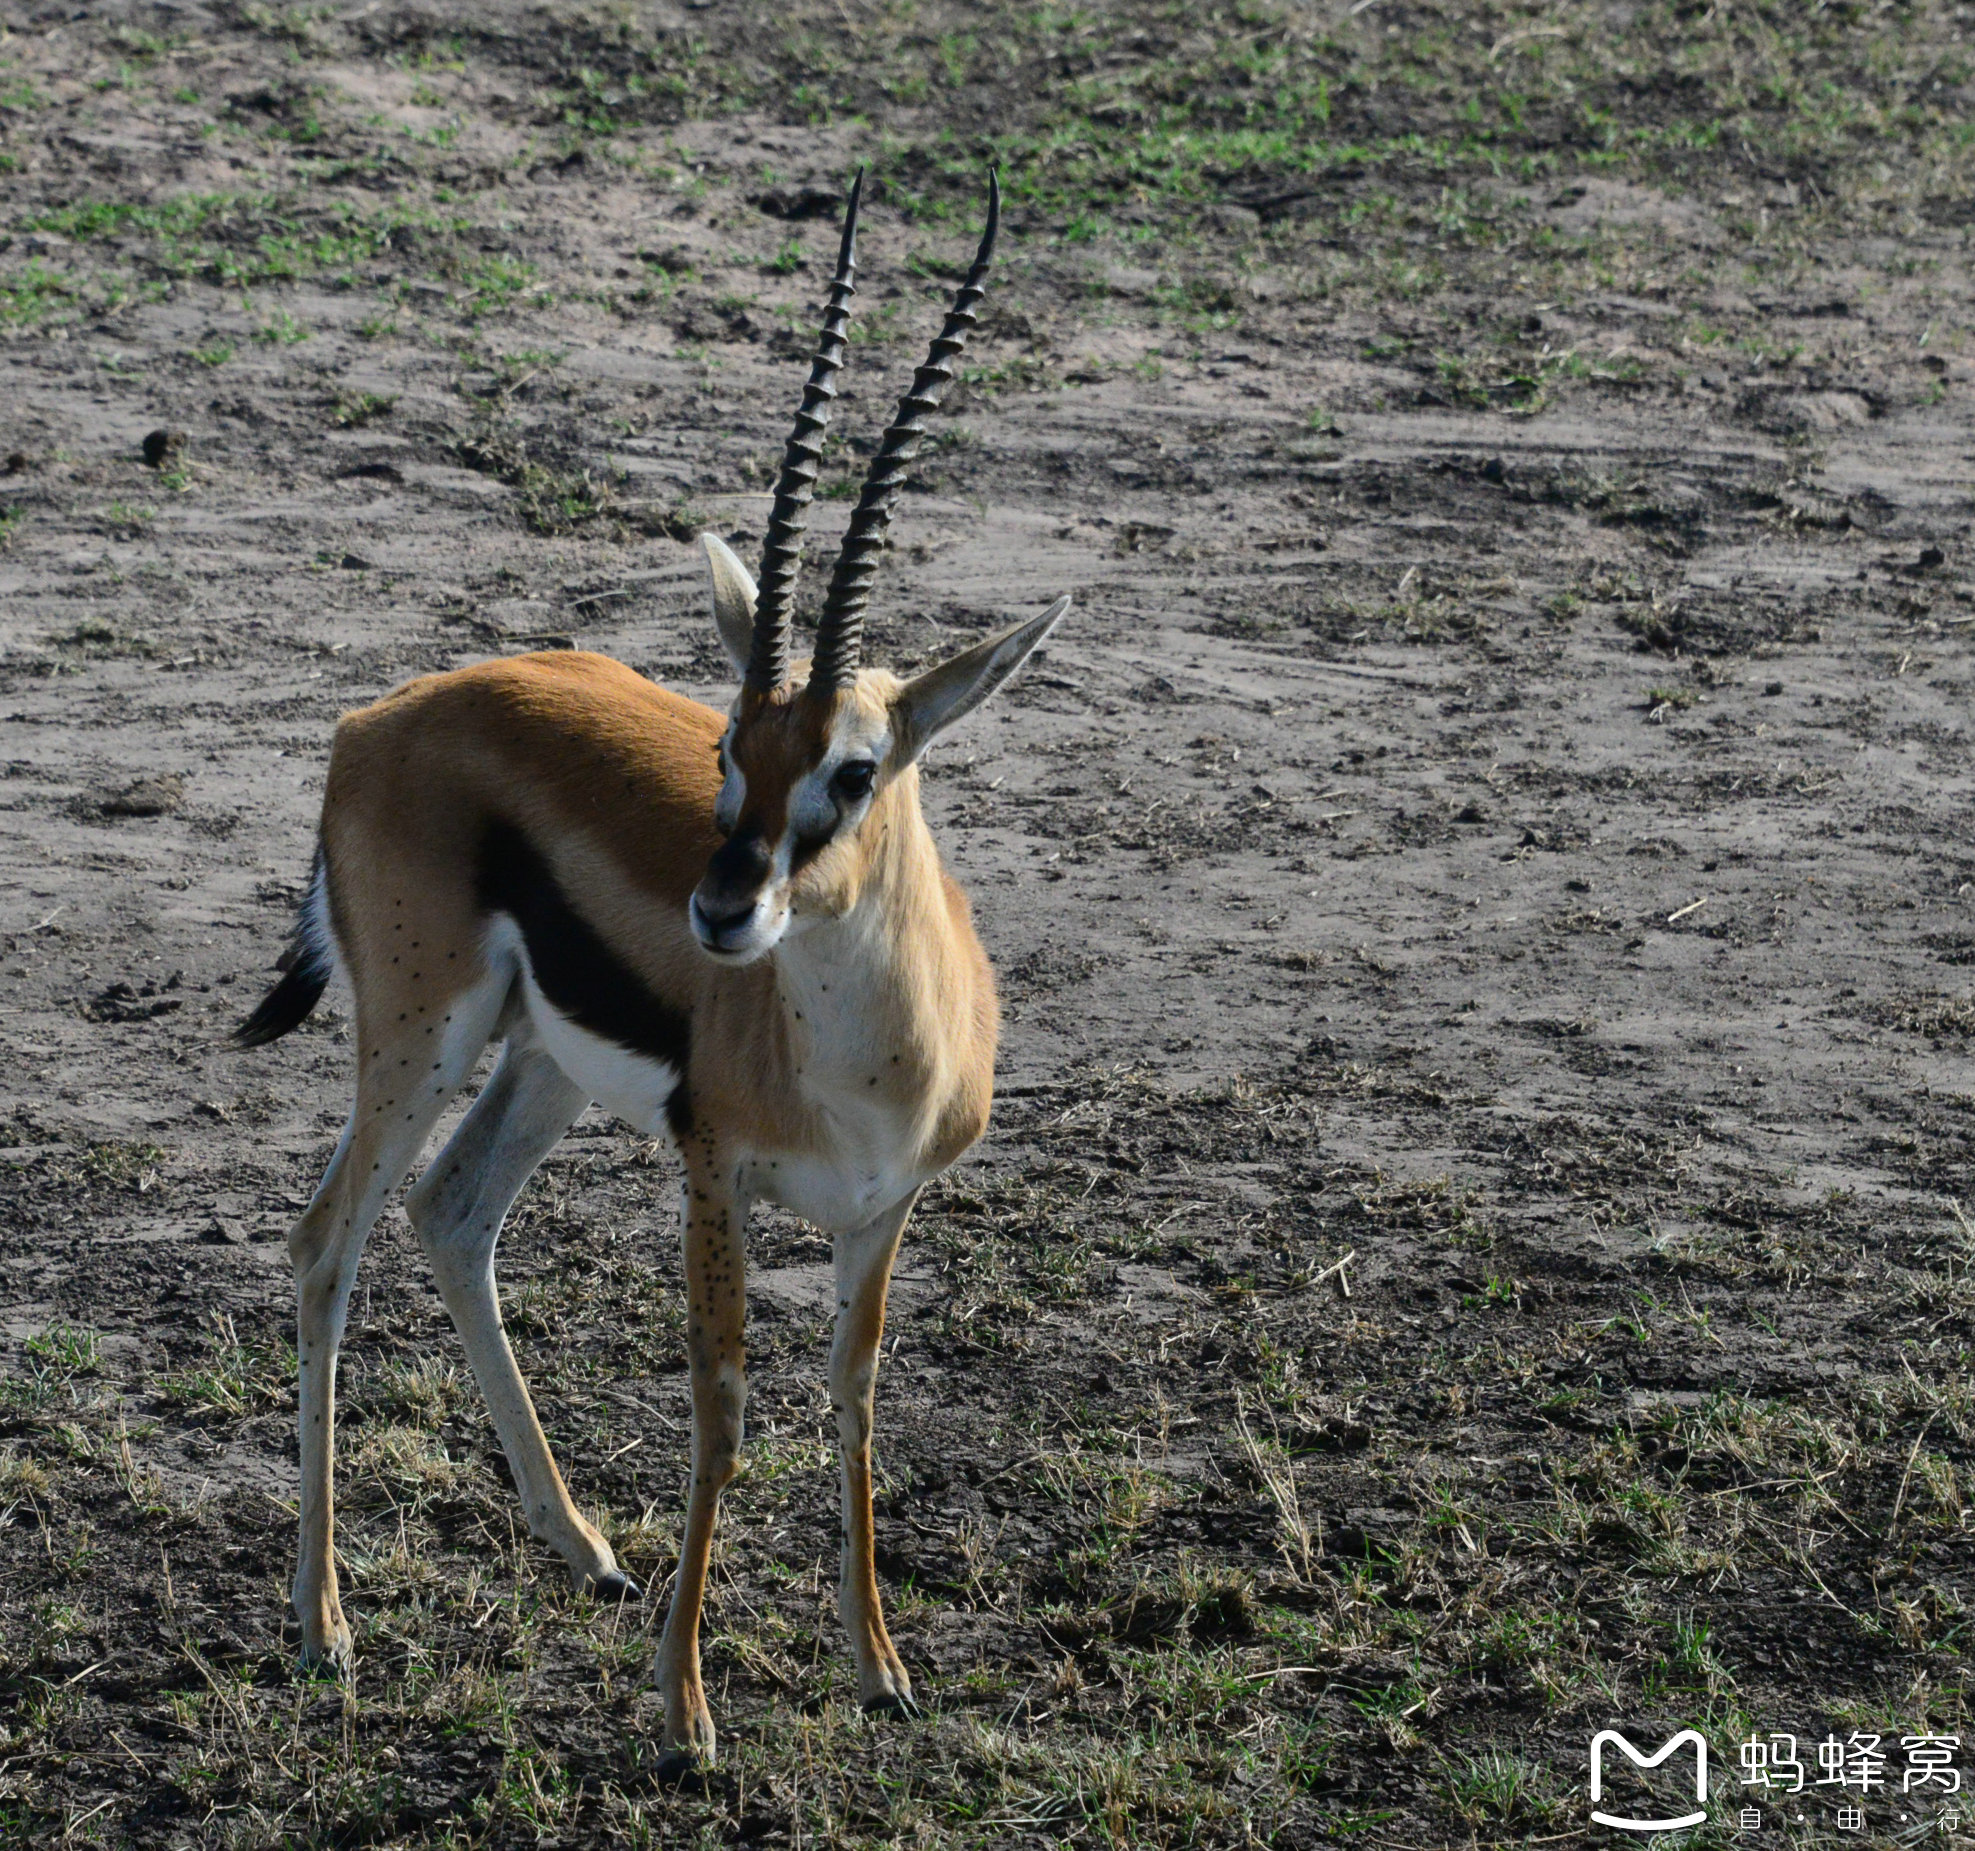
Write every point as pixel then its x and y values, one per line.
pixel 840 630
pixel 781 551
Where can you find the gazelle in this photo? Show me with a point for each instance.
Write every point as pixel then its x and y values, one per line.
pixel 734 930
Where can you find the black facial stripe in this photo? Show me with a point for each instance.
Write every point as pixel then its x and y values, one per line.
pixel 743 862
pixel 807 848
pixel 578 972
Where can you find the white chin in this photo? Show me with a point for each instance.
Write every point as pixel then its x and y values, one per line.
pixel 745 952
pixel 744 948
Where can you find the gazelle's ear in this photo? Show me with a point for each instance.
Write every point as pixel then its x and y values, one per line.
pixel 923 709
pixel 733 600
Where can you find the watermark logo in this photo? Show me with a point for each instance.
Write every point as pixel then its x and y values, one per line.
pixel 1839 1779
pixel 1612 1738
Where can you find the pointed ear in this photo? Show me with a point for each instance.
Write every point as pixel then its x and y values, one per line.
pixel 925 708
pixel 733 600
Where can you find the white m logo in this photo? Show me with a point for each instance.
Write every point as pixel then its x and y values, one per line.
pixel 1632 1754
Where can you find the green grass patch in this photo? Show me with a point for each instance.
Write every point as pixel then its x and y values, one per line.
pixel 355 409
pixel 231 1378
pixel 35 296
pixel 242 239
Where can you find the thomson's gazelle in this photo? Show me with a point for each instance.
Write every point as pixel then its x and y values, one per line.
pixel 733 929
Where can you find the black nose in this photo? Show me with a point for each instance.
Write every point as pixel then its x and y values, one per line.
pixel 720 924
pixel 739 865
pixel 735 875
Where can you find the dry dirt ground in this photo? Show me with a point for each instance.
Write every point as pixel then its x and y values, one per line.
pixel 1469 1249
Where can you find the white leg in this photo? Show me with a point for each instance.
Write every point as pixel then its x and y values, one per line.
pixel 401 1090
pixel 458 1207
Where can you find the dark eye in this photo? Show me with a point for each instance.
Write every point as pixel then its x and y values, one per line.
pixel 853 781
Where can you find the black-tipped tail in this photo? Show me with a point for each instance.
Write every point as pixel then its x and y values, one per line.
pixel 306 967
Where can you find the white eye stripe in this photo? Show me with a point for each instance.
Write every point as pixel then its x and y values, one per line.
pixel 733 793
pixel 812 812
pixel 816 807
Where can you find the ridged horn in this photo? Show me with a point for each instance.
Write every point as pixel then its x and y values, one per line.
pixel 781 551
pixel 840 630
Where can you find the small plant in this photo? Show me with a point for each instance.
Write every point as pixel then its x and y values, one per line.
pixel 281 329
pixel 497 283
pixel 421 1392
pixel 112 1164
pixel 1504 1789
pixel 216 355
pixel 353 409
pixel 10 525
pixel 560 501
pixel 1393 1708
pixel 34 295
pixel 1297 1539
pixel 552 501
pixel 128 520
pixel 521 364
pixel 788 259
pixel 233 1378
pixel 682 521
pixel 68 1349
pixel 21 1476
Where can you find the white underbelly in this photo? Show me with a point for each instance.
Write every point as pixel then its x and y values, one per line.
pixel 631 1086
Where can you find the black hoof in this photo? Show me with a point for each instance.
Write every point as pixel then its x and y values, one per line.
pixel 892 1704
pixel 616 1585
pixel 680 1772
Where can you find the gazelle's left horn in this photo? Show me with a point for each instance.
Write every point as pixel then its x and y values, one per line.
pixel 781 551
pixel 840 631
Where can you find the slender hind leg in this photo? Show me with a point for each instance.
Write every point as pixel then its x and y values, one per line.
pixel 458 1206
pixel 404 1079
pixel 863 1271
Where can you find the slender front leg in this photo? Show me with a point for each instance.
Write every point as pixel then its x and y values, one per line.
pixel 714 1216
pixel 863 1269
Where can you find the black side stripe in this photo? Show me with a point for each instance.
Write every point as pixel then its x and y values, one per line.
pixel 577 971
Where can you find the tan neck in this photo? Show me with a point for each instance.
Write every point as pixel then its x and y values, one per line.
pixel 890 988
